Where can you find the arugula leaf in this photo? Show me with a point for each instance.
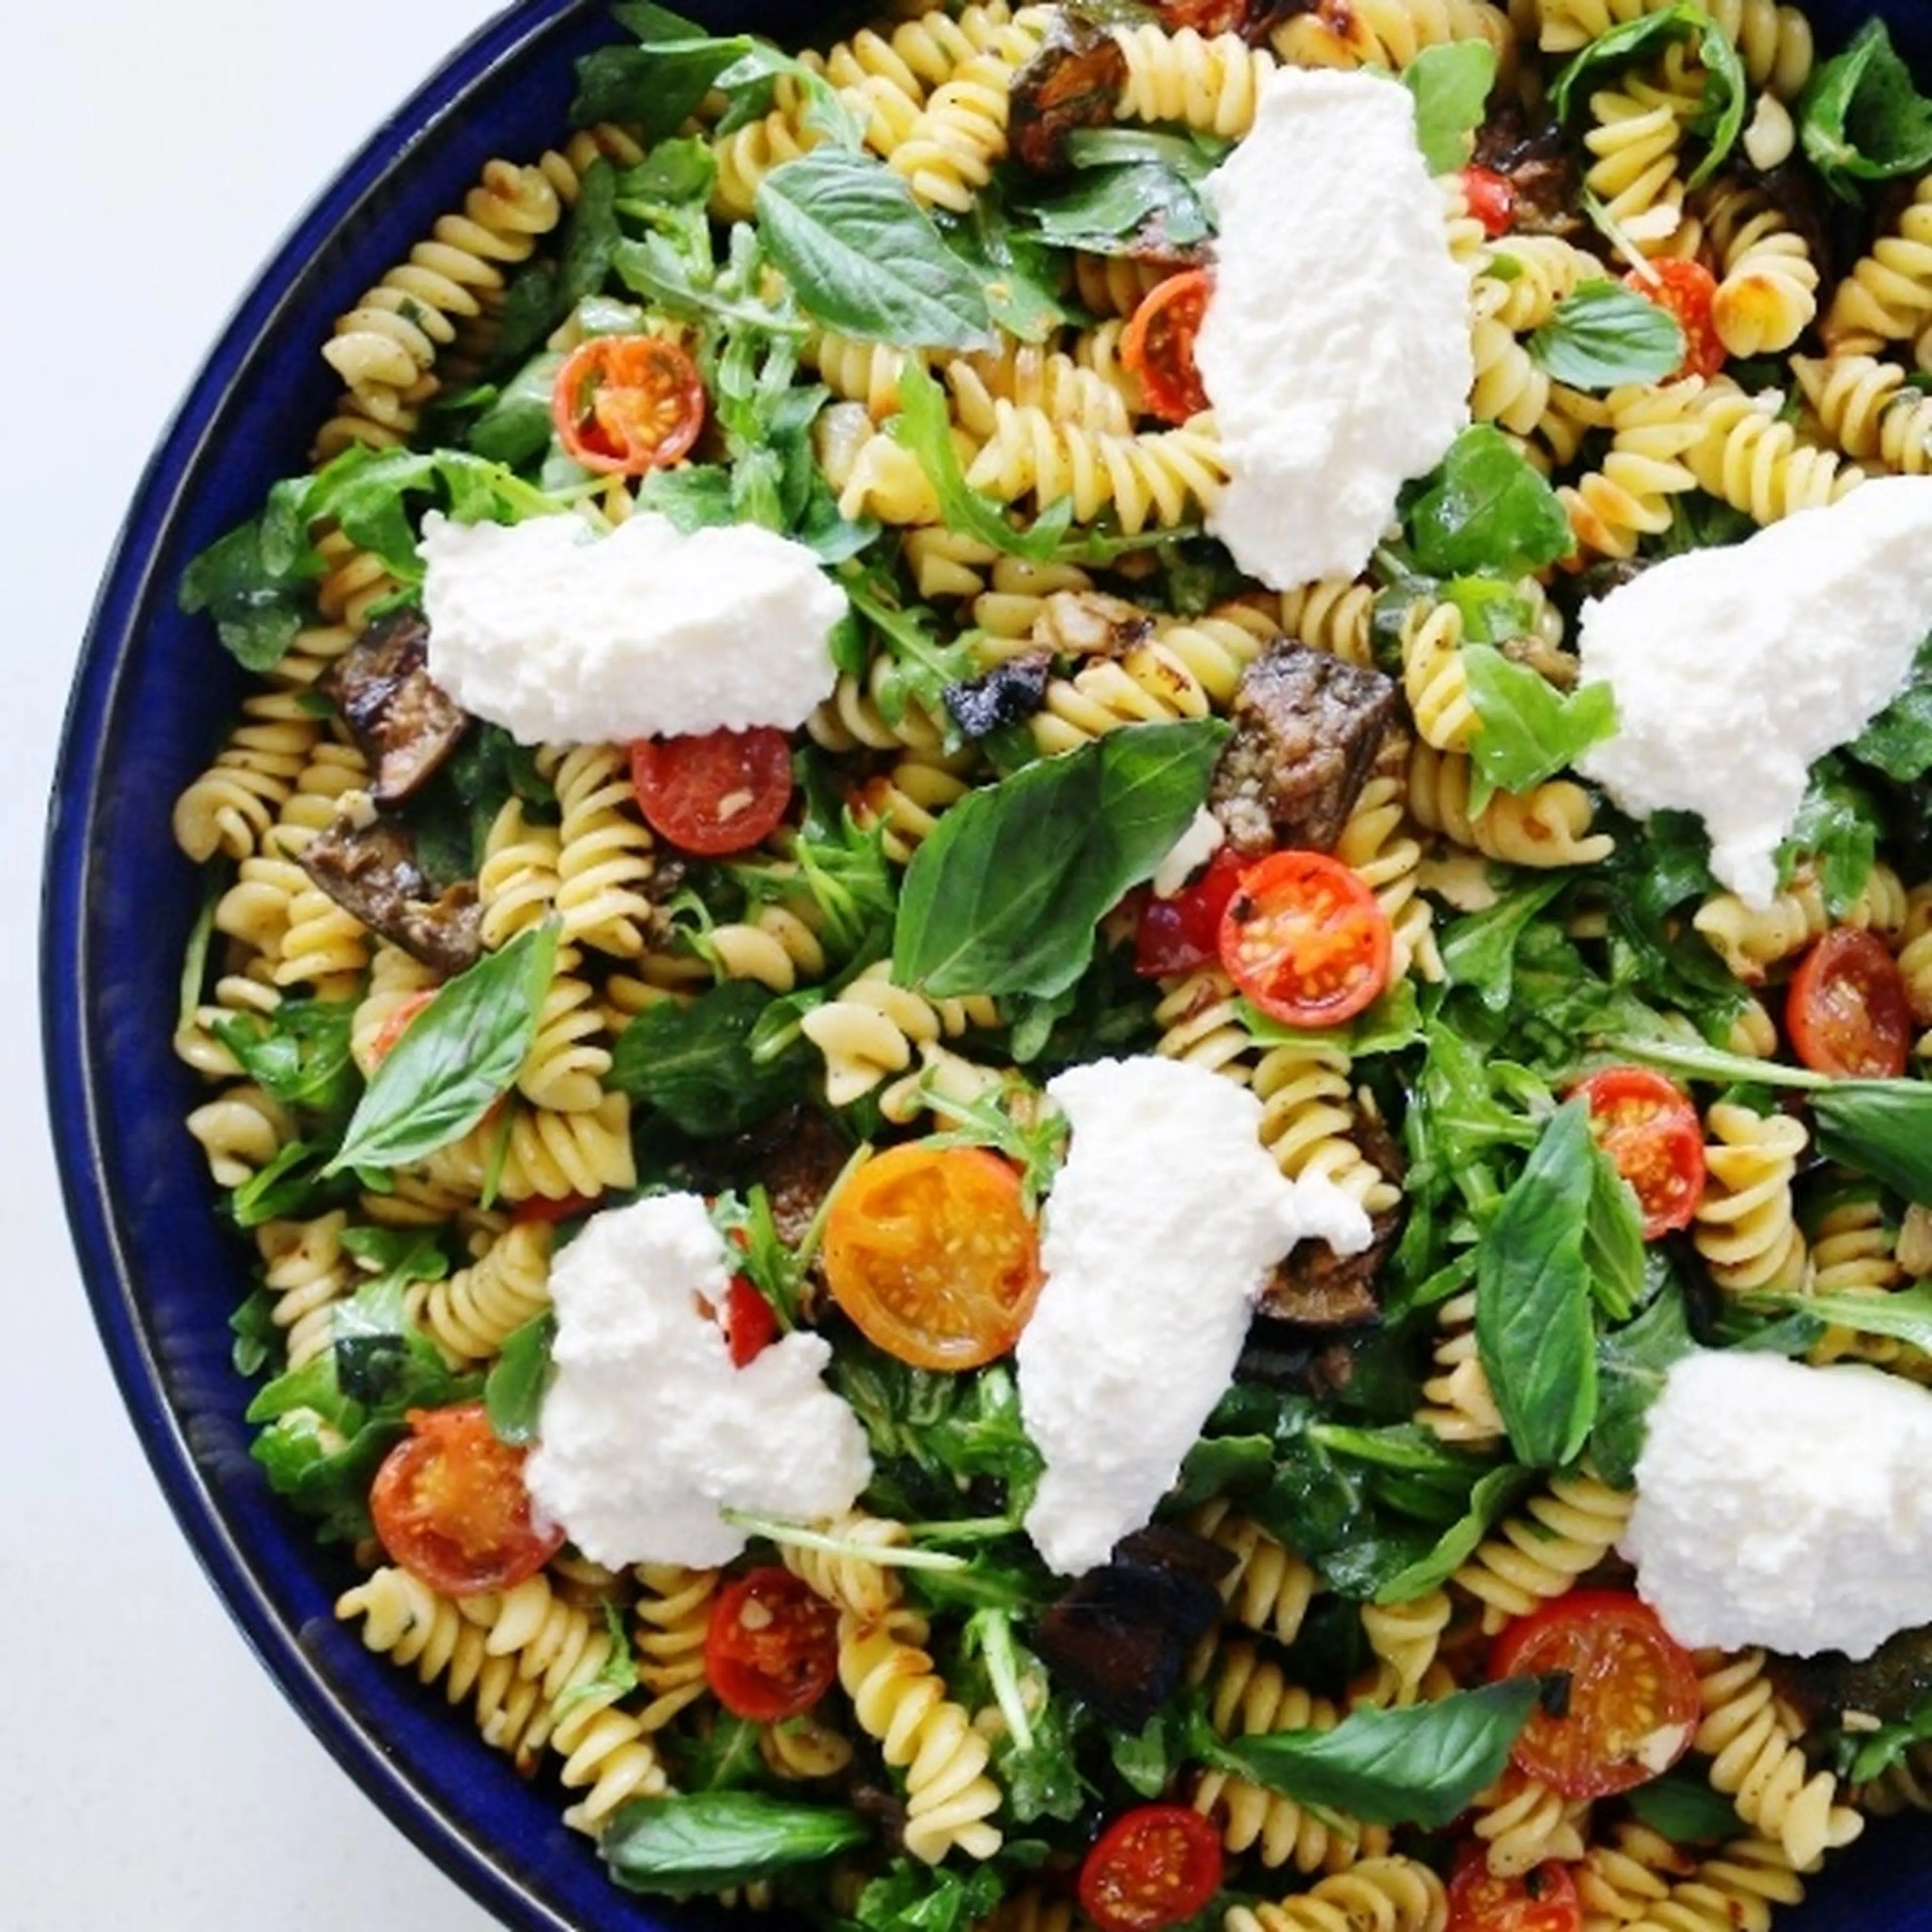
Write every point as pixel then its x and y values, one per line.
pixel 517 426
pixel 683 1846
pixel 695 1063
pixel 1146 1759
pixel 254 581
pixel 513 1391
pixel 1905 1315
pixel 1479 950
pixel 1603 333
pixel 658 83
pixel 298 1054
pixel 865 258
pixel 1898 741
pixel 1837 826
pixel 1533 1331
pixel 1418 1766
pixel 1861 118
pixel 1681 1806
pixel 912 1897
pixel 1451 84
pixel 457 1059
pixel 1126 208
pixel 1493 1496
pixel 1005 895
pixel 1632 1362
pixel 1487 510
pixel 1530 730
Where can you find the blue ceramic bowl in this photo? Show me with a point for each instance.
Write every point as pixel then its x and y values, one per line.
pixel 151 691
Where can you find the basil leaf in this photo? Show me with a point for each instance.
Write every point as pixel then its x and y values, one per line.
pixel 1632 1362
pixel 1860 118
pixel 1613 1239
pixel 513 1391
pixel 298 1054
pixel 682 1845
pixel 1530 730
pixel 1004 897
pixel 658 83
pixel 914 1897
pixel 1392 1022
pixel 517 426
pixel 1882 1128
pixel 1534 1330
pixel 694 1063
pixel 1905 1315
pixel 1491 1498
pixel 1418 1766
pixel 1683 1808
pixel 1603 333
pixel 865 258
pixel 456 1059
pixel 1133 208
pixel 254 581
pixel 1451 85
pixel 1019 276
pixel 1898 741
pixel 1487 510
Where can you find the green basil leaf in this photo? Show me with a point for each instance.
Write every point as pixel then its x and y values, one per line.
pixel 1530 730
pixel 658 83
pixel 1130 208
pixel 1613 1247
pixel 672 173
pixel 513 1391
pixel 457 1058
pixel 864 259
pixel 683 1846
pixel 299 1054
pixel 1418 1766
pixel 1391 1023
pixel 1486 510
pixel 1602 335
pixel 1904 1316
pixel 1838 827
pixel 1882 1128
pixel 693 496
pixel 1534 1330
pixel 1019 277
pixel 1861 118
pixel 517 426
pixel 1681 1806
pixel 1898 741
pixel 694 1063
pixel 1493 1496
pixel 1632 1362
pixel 1005 895
pixel 1451 84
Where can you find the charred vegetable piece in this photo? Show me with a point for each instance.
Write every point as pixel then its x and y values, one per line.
pixel 404 724
pixel 367 863
pixel 1008 694
pixel 1890 1684
pixel 1307 728
pixel 1089 624
pixel 797 1172
pixel 1536 162
pixel 1075 81
pixel 1302 1361
pixel 1321 1289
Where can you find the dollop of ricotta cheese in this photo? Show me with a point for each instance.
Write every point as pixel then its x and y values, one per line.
pixel 648 1430
pixel 1735 669
pixel 562 637
pixel 1335 349
pixel 1783 1505
pixel 1158 1238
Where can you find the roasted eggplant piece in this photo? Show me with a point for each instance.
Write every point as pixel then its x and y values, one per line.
pixel 367 863
pixel 1075 81
pixel 405 725
pixel 1008 694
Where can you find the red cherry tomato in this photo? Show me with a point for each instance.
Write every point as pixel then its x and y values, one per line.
pixel 540 1207
pixel 1490 198
pixel 1158 346
pixel 1177 934
pixel 623 404
pixel 449 1505
pixel 397 1024
pixel 1543 1899
pixel 1632 1708
pixel 1848 1012
pixel 1686 289
pixel 746 1318
pixel 1207 17
pixel 1155 1866
pixel 1650 1129
pixel 1303 937
pixel 719 793
pixel 771 1649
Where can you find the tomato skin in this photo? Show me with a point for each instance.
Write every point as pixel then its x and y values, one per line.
pixel 931 1253
pixel 1207 17
pixel 1153 1867
pixel 771 1649
pixel 393 1028
pixel 1687 289
pixel 1649 1127
pixel 750 1327
pixel 1304 939
pixel 1848 1012
pixel 1543 1899
pixel 450 1506
pixel 716 792
pixel 1158 345
pixel 625 404
pixel 566 1207
pixel 1176 934
pixel 1490 198
pixel 1632 1686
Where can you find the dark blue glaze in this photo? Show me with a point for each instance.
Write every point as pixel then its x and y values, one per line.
pixel 119 900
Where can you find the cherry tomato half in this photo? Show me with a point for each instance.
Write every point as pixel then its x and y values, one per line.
pixel 1632 1706
pixel 1158 346
pixel 1155 1866
pixel 393 1028
pixel 1848 1012
pixel 1491 198
pixel 1207 17
pixel 1687 289
pixel 1543 1899
pixel 771 1649
pixel 623 404
pixel 449 1505
pixel 566 1208
pixel 1176 934
pixel 714 793
pixel 1303 937
pixel 1649 1128
pixel 931 1253
pixel 746 1318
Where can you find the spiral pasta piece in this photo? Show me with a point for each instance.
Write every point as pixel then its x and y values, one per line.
pixel 1520 1822
pixel 1628 497
pixel 1115 286
pixel 1538 1552
pixel 1199 1016
pixel 1541 272
pixel 907 800
pixel 1623 1875
pixel 1210 83
pixel 670 1618
pixel 1733 1891
pixel 472 1313
pixel 1887 297
pixel 1334 615
pixel 306 1268
pixel 1865 406
pixel 874 1029
pixel 229 809
pixel 1378 1895
pixel 517 881
pixel 1458 1404
pixel 1752 940
pixel 860 1587
pixel 1389 33
pixel 777 947
pixel 1775 40
pixel 1547 827
pixel 802 1748
pixel 1404 1639
pixel 1307 1118
pixel 1758 464
pixel 605 859
pixel 1633 147
pixel 1434 678
pixel 536 1151
pixel 856 714
pixel 1270 1587
pixel 948 154
pixel 1768 291
pixel 1745 1229
pixel 1854 1252
pixel 241 1131
pixel 564 1068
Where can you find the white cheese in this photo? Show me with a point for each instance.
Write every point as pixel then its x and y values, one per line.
pixel 1335 349
pixel 648 1430
pixel 1783 1505
pixel 1159 1236
pixel 563 637
pixel 1191 851
pixel 1735 669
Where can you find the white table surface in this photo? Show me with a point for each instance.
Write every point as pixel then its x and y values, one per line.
pixel 151 1775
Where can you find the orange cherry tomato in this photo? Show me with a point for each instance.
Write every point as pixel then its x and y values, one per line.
pixel 1687 289
pixel 1632 1709
pixel 1303 937
pixel 449 1505
pixel 1848 1012
pixel 932 1254
pixel 719 792
pixel 623 404
pixel 1543 1899
pixel 1491 198
pixel 397 1024
pixel 1176 934
pixel 750 1327
pixel 1153 1867
pixel 1649 1128
pixel 771 1649
pixel 1158 345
